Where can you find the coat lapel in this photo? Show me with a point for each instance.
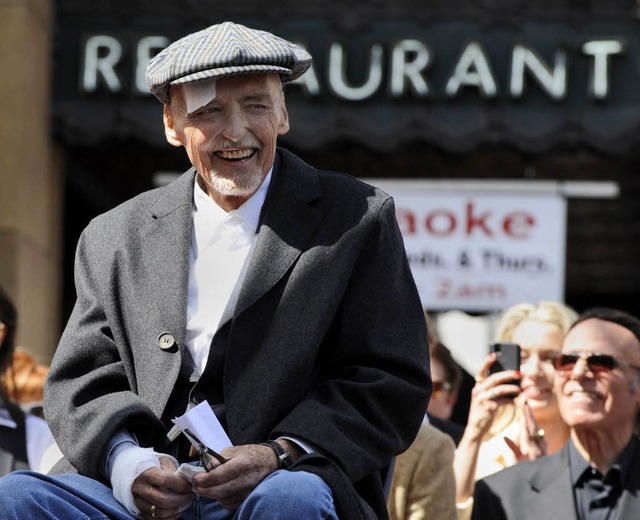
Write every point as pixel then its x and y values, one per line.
pixel 164 278
pixel 166 243
pixel 552 484
pixel 288 222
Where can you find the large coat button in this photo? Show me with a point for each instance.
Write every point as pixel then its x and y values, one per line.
pixel 166 341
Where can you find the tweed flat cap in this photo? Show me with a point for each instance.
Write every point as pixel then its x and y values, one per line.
pixel 223 50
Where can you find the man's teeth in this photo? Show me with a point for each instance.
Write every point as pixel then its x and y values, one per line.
pixel 577 393
pixel 236 154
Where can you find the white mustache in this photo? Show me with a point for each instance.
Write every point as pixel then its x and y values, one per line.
pixel 231 145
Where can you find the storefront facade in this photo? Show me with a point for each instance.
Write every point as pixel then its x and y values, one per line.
pixel 483 91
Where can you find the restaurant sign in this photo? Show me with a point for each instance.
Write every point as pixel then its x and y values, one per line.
pixel 455 83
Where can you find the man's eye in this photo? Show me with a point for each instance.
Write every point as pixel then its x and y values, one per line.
pixel 206 110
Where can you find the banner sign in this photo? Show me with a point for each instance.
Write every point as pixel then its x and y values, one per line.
pixel 481 252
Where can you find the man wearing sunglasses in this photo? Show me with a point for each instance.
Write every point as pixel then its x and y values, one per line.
pixel 597 474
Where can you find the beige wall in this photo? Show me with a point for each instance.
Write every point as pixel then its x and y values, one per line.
pixel 30 176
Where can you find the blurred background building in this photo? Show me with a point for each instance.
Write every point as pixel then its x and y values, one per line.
pixel 507 130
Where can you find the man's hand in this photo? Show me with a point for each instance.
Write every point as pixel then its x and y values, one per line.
pixel 160 493
pixel 230 483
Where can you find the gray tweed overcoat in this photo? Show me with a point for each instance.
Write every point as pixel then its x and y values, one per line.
pixel 327 340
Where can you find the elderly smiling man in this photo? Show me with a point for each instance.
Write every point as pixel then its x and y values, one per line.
pixel 277 294
pixel 597 474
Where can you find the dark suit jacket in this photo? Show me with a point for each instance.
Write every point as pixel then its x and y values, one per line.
pixel 326 343
pixel 542 489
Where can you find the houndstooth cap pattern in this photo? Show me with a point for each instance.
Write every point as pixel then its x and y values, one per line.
pixel 223 50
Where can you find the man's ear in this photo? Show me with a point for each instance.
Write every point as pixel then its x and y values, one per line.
pixel 284 123
pixel 169 127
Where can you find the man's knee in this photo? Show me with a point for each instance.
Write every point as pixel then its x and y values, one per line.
pixel 27 494
pixel 294 485
pixel 20 489
pixel 20 482
pixel 293 494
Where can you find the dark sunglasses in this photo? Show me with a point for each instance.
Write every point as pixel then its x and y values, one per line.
pixel 597 363
pixel 440 387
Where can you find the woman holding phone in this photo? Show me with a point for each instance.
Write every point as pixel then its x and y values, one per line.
pixel 509 422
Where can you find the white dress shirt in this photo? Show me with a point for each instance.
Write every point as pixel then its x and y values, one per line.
pixel 220 245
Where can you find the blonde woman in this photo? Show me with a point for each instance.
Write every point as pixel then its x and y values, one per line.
pixel 503 429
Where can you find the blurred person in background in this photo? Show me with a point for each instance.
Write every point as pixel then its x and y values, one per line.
pixel 447 376
pixel 27 382
pixel 596 475
pixel 460 412
pixel 460 409
pixel 502 429
pixel 423 484
pixel 24 438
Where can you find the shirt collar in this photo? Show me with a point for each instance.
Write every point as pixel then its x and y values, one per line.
pixel 208 216
pixel 622 464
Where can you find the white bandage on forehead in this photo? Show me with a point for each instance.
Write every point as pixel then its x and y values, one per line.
pixel 198 93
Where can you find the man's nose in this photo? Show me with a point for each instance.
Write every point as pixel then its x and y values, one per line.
pixel 580 369
pixel 235 126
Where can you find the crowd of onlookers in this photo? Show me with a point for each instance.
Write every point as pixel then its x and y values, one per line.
pixel 557 435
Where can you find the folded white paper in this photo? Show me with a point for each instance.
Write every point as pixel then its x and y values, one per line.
pixel 205 425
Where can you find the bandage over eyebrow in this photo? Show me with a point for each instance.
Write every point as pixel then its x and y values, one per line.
pixel 198 93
